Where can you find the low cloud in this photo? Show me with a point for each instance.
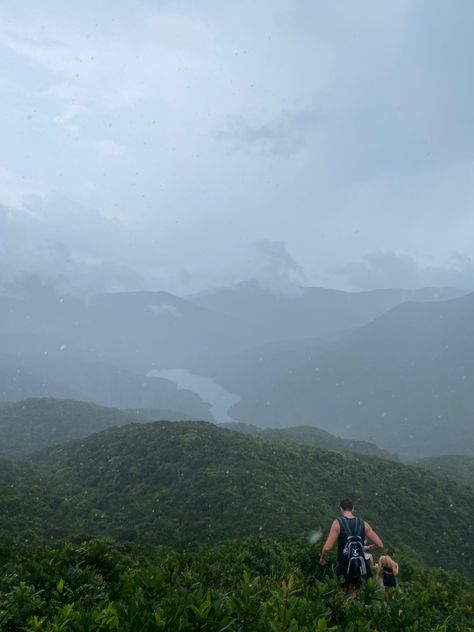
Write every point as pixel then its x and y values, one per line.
pixel 16 188
pixel 283 136
pixel 53 243
pixel 276 269
pixel 381 269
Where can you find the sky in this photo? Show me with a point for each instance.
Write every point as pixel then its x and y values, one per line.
pixel 184 145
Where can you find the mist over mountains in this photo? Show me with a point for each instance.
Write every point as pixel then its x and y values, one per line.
pixel 404 380
pixel 392 367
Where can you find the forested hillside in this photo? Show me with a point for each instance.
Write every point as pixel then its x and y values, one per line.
pixel 309 435
pixel 35 423
pixel 457 468
pixel 191 482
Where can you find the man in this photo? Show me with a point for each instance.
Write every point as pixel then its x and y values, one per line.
pixel 344 527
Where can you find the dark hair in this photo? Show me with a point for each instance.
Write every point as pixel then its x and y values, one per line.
pixel 391 551
pixel 346 504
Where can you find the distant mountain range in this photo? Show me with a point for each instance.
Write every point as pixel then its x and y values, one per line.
pixel 365 365
pixel 404 381
pixel 309 312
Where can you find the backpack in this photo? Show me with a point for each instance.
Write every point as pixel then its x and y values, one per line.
pixel 353 552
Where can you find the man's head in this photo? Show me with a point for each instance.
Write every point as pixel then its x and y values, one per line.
pixel 346 505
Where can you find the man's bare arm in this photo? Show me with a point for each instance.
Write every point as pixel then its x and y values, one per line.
pixel 372 536
pixel 330 542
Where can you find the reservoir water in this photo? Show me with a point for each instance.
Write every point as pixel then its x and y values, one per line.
pixel 208 390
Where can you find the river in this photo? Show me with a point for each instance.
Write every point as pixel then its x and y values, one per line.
pixel 208 390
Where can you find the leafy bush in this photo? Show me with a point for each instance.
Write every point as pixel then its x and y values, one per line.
pixel 259 585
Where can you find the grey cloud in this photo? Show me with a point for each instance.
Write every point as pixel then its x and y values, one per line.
pixel 283 136
pixel 343 127
pixel 380 269
pixel 62 245
pixel 276 269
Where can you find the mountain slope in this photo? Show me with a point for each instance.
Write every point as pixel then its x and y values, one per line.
pixel 64 374
pixel 457 468
pixel 311 436
pixel 250 369
pixel 190 482
pixel 29 425
pixel 309 312
pixel 33 424
pixel 137 331
pixel 404 381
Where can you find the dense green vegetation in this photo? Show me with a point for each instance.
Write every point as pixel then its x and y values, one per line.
pixel 256 585
pixel 308 435
pixel 146 487
pixel 186 483
pixel 455 467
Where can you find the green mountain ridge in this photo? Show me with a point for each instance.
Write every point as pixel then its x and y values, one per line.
pixel 35 423
pixel 311 436
pixel 186 483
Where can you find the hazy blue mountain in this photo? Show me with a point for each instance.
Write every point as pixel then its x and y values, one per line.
pixel 250 369
pixel 152 330
pixel 64 375
pixel 18 380
pixel 309 312
pixel 138 331
pixel 404 381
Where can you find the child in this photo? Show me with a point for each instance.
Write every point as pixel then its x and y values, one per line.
pixel 390 569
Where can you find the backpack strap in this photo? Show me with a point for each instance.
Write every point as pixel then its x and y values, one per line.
pixel 359 528
pixel 344 524
pixel 355 529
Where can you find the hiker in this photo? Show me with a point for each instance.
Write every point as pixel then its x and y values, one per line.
pixel 372 567
pixel 350 534
pixel 389 568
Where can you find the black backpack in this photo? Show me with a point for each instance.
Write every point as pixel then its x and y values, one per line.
pixel 353 552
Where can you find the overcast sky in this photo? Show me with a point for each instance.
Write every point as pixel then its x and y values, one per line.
pixel 185 145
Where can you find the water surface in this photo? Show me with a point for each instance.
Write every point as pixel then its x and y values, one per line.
pixel 208 390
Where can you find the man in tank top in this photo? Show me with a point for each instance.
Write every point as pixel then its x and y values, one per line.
pixel 347 524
